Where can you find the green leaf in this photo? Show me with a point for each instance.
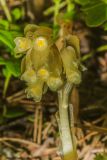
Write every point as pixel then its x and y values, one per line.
pixel 94 11
pixel 12 65
pixel 31 118
pixel 105 26
pixel 11 68
pixel 56 1
pixel 7 75
pixel 14 112
pixel 102 48
pixel 1 119
pixel 95 14
pixel 4 24
pixel 7 39
pixel 16 34
pixel 16 13
pixel 88 2
pixel 70 14
pixel 82 2
pixel 2 61
pixel 105 1
pixel 101 157
pixel 87 56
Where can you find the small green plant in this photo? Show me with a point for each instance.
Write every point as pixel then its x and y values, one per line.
pixel 11 68
pixel 11 65
pixel 92 12
pixel 8 31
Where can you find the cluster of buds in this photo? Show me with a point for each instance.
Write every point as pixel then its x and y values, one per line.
pixel 43 65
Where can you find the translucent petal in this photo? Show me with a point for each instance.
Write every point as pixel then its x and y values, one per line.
pixel 73 41
pixel 43 74
pixel 26 63
pixel 22 45
pixel 39 58
pixel 70 64
pixel 45 88
pixel 29 76
pixel 30 28
pixel 35 90
pixel 54 61
pixel 29 63
pixel 74 77
pixel 43 31
pixel 54 83
pixel 23 65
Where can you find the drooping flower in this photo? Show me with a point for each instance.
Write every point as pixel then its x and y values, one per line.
pixel 41 63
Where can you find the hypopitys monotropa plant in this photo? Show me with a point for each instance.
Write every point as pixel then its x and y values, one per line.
pixel 44 66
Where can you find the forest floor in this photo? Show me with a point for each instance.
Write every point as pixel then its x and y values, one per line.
pixel 19 115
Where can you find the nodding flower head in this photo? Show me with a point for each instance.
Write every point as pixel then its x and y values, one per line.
pixel 37 37
pixel 41 64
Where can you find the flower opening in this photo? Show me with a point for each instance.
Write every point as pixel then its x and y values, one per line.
pixel 41 43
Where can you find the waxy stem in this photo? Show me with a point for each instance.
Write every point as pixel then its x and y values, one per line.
pixel 66 133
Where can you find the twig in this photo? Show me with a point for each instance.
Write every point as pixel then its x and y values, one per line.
pixel 87 136
pixel 51 9
pixel 99 150
pixel 45 131
pixel 18 140
pixel 10 146
pixel 42 149
pixel 92 127
pixel 100 119
pixel 20 93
